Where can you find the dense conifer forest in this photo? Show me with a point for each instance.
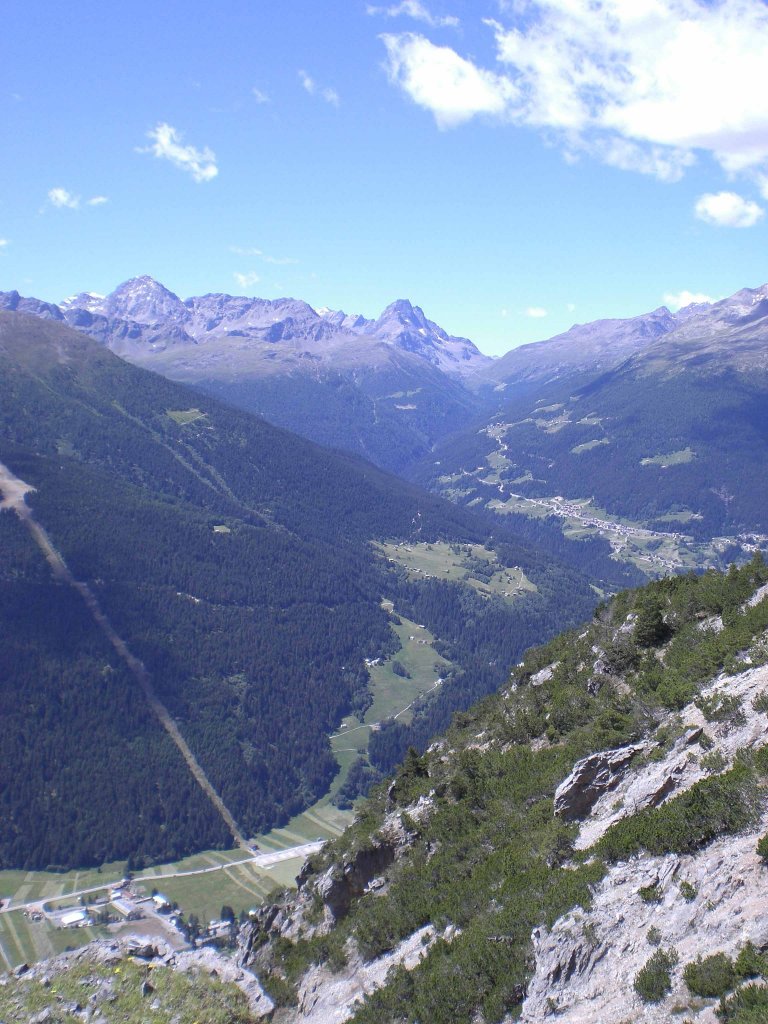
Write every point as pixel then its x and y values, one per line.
pixel 236 561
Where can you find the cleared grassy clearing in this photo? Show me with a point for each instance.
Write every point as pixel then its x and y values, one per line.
pixel 673 459
pixel 686 516
pixel 240 887
pixel 589 445
pixel 26 886
pixel 471 564
pixel 26 941
pixel 184 416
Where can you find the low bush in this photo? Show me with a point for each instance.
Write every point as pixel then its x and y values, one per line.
pixel 750 963
pixel 711 977
pixel 688 891
pixel 654 980
pixel 650 893
pixel 715 806
pixel 749 1005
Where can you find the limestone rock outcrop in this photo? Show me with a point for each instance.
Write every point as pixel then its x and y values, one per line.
pixel 590 779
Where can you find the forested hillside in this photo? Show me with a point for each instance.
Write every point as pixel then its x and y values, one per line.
pixel 236 561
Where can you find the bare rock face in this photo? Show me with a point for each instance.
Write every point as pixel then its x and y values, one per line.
pixel 328 998
pixel 339 887
pixel 590 778
pixel 587 963
pixel 155 953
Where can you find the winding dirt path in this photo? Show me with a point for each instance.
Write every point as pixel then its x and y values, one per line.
pixel 14 493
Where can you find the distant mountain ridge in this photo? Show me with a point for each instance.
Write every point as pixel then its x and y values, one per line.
pixel 660 419
pixel 149 305
pixel 386 389
pixel 397 388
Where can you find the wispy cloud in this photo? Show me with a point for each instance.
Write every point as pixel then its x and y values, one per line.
pixel 536 312
pixel 728 210
pixel 326 92
pixel 642 86
pixel 3 243
pixel 416 10
pixel 678 300
pixel 97 200
pixel 259 96
pixel 280 261
pixel 62 199
pixel 167 145
pixel 438 79
pixel 247 280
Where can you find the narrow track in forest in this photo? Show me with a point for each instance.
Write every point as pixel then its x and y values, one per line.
pixel 14 493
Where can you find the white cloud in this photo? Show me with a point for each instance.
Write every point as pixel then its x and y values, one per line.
pixel 438 79
pixel 280 261
pixel 678 300
pixel 62 199
pixel 259 96
pixel 167 145
pixel 570 306
pixel 416 10
pixel 247 280
pixel 727 210
pixel 97 200
pixel 4 242
pixel 310 85
pixel 536 312
pixel 641 84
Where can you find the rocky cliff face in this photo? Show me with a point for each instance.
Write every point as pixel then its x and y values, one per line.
pixel 705 903
pixel 687 884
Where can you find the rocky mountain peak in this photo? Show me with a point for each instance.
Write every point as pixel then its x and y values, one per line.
pixel 141 299
pixel 403 314
pixel 90 301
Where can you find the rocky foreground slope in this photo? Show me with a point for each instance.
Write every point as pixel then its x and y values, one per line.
pixel 582 847
pixel 585 846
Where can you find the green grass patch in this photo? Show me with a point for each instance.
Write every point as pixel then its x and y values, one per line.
pixel 672 459
pixel 187 998
pixel 589 445
pixel 185 416
pixel 471 564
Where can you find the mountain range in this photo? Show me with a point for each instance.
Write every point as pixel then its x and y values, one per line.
pixel 656 419
pixel 385 388
pixel 670 432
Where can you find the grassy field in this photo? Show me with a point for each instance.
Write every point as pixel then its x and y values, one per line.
pixel 453 562
pixel 25 941
pixel 589 445
pixel 673 459
pixel 184 416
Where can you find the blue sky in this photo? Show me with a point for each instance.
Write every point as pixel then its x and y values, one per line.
pixel 512 167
